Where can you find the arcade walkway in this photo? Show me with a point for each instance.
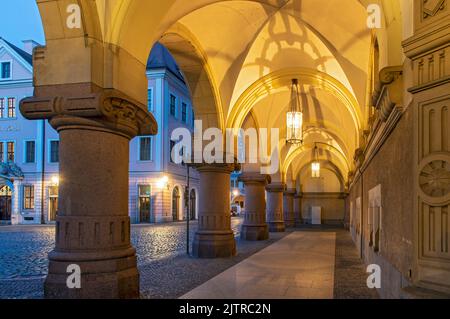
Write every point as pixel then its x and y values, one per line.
pixel 305 264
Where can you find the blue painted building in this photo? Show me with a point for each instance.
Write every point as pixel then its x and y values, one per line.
pixel 29 150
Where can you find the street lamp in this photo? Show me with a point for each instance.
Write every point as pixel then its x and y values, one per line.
pixel 315 166
pixel 163 183
pixel 294 118
pixel 55 180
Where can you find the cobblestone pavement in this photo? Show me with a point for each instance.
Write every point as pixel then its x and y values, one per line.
pixel 166 271
pixel 24 250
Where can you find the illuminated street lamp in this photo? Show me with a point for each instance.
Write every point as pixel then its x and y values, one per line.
pixel 294 118
pixel 315 166
pixel 163 182
pixel 55 180
pixel 235 193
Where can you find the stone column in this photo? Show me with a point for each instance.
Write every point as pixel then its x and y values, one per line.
pixel 214 238
pixel 255 226
pixel 93 226
pixel 298 210
pixel 275 217
pixel 288 208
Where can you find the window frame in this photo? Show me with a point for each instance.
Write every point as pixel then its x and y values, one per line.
pixel 174 114
pixel 2 152
pixel 139 149
pixel 2 108
pixel 14 108
pixel 184 112
pixel 49 153
pixel 25 151
pixel 10 70
pixel 6 151
pixel 31 199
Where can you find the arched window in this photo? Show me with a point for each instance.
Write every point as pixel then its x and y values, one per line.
pixel 175 204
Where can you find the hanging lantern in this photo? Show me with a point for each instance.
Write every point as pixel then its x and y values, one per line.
pixel 315 166
pixel 294 118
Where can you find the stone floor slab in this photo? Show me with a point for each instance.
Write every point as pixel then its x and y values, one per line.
pixel 300 266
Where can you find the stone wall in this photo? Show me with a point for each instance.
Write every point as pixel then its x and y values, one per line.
pixel 392 169
pixel 332 204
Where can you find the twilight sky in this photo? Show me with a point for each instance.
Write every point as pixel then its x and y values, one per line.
pixel 20 21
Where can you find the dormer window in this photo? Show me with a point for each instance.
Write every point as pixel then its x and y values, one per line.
pixel 5 71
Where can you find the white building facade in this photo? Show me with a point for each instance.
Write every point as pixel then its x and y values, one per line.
pixel 29 150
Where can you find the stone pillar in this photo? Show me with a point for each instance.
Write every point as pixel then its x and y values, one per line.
pixel 275 217
pixel 298 210
pixel 255 226
pixel 214 238
pixel 288 208
pixel 93 226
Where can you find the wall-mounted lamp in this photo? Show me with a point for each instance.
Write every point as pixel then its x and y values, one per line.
pixel 55 180
pixel 163 183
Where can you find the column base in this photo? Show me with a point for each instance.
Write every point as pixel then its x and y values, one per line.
pixel 210 244
pixel 255 232
pixel 289 223
pixel 277 227
pixel 115 278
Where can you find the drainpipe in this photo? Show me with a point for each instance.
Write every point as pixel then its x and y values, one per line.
pixel 43 173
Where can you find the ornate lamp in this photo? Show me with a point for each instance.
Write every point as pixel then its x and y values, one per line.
pixel 294 118
pixel 315 166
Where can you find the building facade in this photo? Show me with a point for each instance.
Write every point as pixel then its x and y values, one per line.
pixel 29 150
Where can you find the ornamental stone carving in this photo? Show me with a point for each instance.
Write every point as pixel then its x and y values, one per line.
pixel 434 178
pixel 432 7
pixel 11 170
pixel 105 108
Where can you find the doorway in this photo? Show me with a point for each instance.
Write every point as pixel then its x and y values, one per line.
pixel 144 204
pixel 5 203
pixel 53 203
pixel 175 204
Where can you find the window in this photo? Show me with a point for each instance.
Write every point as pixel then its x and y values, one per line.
pixel 184 112
pixel 2 108
pixel 54 151
pixel 150 99
pixel 2 152
pixel 173 104
pixel 6 70
pixel 172 145
pixel 11 107
pixel 145 149
pixel 28 197
pixel 10 151
pixel 30 151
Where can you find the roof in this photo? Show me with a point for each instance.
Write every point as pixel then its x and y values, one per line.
pixel 24 55
pixel 160 58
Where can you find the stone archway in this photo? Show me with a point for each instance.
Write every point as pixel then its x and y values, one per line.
pixel 95 96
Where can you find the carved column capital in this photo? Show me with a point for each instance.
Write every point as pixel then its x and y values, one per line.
pixel 86 105
pixel 276 188
pixel 290 192
pixel 255 178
